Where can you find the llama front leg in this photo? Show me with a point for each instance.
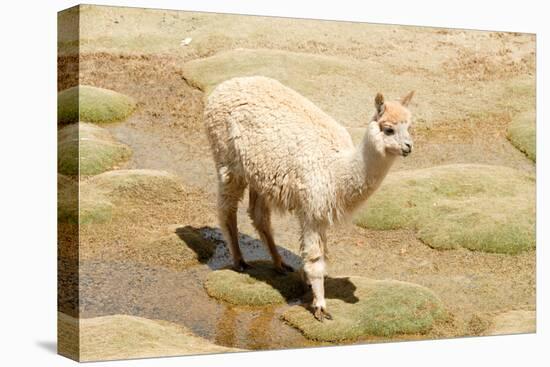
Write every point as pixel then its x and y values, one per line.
pixel 314 268
pixel 230 190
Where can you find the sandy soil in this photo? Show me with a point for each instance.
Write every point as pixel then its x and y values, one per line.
pixel 469 86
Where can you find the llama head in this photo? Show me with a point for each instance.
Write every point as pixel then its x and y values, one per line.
pixel 393 120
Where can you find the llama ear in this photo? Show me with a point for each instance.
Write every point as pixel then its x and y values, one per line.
pixel 379 103
pixel 407 99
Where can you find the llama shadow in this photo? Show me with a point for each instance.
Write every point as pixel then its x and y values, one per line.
pixel 196 241
pixel 210 247
pixel 335 288
pixel 340 288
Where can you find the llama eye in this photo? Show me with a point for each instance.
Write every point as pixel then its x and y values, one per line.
pixel 389 131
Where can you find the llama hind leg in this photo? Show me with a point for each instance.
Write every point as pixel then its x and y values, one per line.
pixel 230 190
pixel 314 268
pixel 260 214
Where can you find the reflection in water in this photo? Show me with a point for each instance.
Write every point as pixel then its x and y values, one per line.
pixel 226 328
pixel 252 248
pixel 154 292
pixel 259 330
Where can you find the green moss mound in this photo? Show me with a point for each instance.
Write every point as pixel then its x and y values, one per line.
pixel 208 72
pixel 117 192
pixel 96 147
pixel 90 207
pixel 124 191
pixel 123 336
pixel 261 285
pixel 67 199
pixel 92 104
pixel 522 134
pixel 320 78
pixel 137 185
pixel 375 308
pixel 479 207
pixel 94 209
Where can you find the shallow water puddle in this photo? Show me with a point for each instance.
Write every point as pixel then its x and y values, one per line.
pixel 252 249
pixel 156 292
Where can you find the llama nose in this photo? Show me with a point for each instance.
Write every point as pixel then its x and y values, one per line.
pixel 407 149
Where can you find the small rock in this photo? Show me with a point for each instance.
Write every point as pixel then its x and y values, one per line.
pixel 186 41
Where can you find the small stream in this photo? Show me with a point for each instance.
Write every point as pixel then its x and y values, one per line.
pixel 155 292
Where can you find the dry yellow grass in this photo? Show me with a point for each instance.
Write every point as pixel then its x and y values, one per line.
pixel 125 337
pixel 174 248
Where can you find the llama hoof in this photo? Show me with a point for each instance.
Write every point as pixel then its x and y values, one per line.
pixel 284 269
pixel 321 314
pixel 242 266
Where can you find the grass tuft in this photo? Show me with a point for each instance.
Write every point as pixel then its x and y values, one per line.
pixel 97 149
pixel 208 72
pixel 124 336
pixel 119 192
pixel 137 185
pixel 67 199
pixel 479 207
pixel 317 77
pixel 375 308
pixel 522 134
pixel 92 104
pixel 258 286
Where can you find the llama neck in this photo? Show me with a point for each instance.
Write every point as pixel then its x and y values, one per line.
pixel 372 160
pixel 363 170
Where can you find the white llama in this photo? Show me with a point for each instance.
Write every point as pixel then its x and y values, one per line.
pixel 294 157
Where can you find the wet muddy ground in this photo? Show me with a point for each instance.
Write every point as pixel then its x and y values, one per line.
pixel 163 294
